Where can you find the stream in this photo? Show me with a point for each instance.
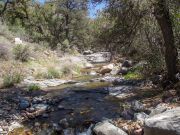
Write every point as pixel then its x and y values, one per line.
pixel 72 109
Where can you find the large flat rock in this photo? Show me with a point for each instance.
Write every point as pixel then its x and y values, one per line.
pixel 106 128
pixel 100 57
pixel 166 123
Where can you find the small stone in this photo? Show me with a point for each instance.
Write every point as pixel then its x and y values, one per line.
pixel 93 73
pixel 41 107
pixel 24 104
pixel 45 115
pixel 1 129
pixel 138 130
pixel 60 107
pixel 127 114
pixel 69 131
pixel 127 63
pixel 31 109
pixel 37 124
pixel 37 100
pixel 141 116
pixel 57 128
pixel 64 123
pixel 88 65
pixel 123 71
pixel 137 106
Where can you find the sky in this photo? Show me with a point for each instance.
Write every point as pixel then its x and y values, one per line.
pixel 93 9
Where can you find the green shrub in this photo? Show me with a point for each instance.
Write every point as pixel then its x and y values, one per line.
pixel 52 73
pixel 33 87
pixel 11 79
pixel 133 75
pixel 21 52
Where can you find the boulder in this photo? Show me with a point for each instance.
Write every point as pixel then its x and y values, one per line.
pixel 160 108
pixel 106 128
pixel 127 63
pixel 93 73
pixel 100 57
pixel 166 123
pixel 127 114
pixel 106 69
pixel 115 71
pixel 87 52
pixel 88 65
pixel 18 41
pixel 123 71
pixel 140 116
pixel 24 104
pixel 137 105
pixel 64 123
pixel 41 107
pixel 69 131
pixel 15 125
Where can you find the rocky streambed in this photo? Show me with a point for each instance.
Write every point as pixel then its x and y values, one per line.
pixel 89 105
pixel 72 107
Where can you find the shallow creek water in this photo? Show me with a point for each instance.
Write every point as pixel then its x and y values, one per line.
pixel 81 104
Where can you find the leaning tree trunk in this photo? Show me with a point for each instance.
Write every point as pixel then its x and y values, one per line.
pixel 163 18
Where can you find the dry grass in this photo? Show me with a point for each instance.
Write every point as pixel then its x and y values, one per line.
pixel 42 62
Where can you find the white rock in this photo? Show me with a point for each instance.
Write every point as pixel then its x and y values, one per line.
pixel 18 41
pixel 93 73
pixel 166 123
pixel 14 125
pixel 107 69
pixel 89 65
pixel 141 116
pixel 106 128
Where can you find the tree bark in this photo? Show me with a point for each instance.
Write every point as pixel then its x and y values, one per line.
pixel 163 18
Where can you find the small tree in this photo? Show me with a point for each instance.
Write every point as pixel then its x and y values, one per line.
pixel 161 13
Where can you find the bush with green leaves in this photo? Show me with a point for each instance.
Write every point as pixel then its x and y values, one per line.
pixel 21 52
pixel 33 87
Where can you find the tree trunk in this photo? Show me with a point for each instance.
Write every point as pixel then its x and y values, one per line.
pixel 67 21
pixel 163 18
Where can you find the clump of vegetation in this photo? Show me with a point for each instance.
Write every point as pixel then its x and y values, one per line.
pixel 136 72
pixel 10 80
pixel 66 70
pixel 33 87
pixel 4 52
pixel 21 52
pixel 133 75
pixel 53 73
pixel 11 73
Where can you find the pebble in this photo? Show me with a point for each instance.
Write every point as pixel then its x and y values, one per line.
pixel 24 104
pixel 1 129
pixel 45 115
pixel 64 123
pixel 60 107
pixel 37 124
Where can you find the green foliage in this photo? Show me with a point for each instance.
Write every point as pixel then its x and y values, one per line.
pixel 21 52
pixel 33 87
pixel 11 79
pixel 133 75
